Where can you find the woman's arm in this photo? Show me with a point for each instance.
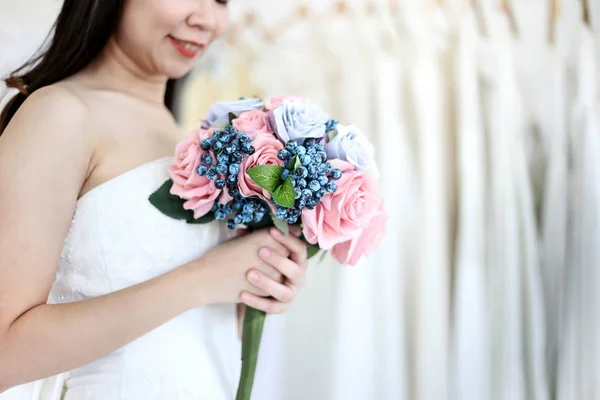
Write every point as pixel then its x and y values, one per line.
pixel 49 339
pixel 44 158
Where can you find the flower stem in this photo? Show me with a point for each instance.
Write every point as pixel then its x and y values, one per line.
pixel 254 320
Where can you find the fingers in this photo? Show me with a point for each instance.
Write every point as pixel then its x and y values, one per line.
pixel 264 238
pixel 295 230
pixel 267 305
pixel 271 273
pixel 278 247
pixel 294 273
pixel 296 246
pixel 273 288
pixel 292 268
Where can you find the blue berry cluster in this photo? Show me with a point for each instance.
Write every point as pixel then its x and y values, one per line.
pixel 226 150
pixel 311 175
pixel 331 125
pixel 246 210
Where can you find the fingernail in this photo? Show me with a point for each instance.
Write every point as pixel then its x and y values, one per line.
pixel 246 298
pixel 265 253
pixel 276 232
pixel 254 277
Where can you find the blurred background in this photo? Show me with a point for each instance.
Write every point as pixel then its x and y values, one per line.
pixel 486 119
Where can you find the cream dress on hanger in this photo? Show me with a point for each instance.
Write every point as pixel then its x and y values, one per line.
pixel 354 48
pixel 375 289
pixel 429 110
pixel 395 159
pixel 528 179
pixel 579 357
pixel 471 345
pixel 542 78
pixel 503 257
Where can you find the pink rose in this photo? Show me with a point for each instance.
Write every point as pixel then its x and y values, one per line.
pixel 350 252
pixel 267 146
pixel 252 122
pixel 345 214
pixel 199 191
pixel 277 101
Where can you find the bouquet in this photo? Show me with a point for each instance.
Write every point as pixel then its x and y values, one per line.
pixel 280 162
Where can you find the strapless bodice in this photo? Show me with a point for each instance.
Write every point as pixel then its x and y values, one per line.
pixel 118 239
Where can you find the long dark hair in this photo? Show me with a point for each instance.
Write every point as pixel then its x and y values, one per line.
pixel 79 34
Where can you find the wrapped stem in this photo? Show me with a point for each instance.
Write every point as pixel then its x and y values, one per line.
pixel 254 321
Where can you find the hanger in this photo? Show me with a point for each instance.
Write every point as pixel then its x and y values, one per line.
pixel 445 9
pixel 301 13
pixel 507 7
pixel 341 7
pixel 478 10
pixel 555 14
pixel 370 7
pixel 586 13
pixel 233 33
pixel 305 13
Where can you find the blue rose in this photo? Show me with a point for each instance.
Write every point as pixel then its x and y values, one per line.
pixel 299 120
pixel 218 115
pixel 350 144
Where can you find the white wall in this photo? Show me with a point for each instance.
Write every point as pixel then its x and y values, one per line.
pixel 23 26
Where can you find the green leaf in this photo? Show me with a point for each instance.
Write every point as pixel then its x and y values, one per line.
pixel 297 163
pixel 323 257
pixel 172 205
pixel 312 250
pixel 332 134
pixel 281 225
pixel 266 176
pixel 284 195
pixel 294 163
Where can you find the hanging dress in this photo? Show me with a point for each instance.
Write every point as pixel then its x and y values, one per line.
pixel 430 107
pixel 470 345
pixel 502 121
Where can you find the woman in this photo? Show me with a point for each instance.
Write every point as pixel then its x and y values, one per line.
pixel 141 306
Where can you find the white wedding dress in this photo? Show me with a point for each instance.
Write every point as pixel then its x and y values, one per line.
pixel 470 346
pixel 118 239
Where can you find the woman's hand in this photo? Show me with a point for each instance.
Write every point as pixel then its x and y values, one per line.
pixel 219 276
pixel 282 292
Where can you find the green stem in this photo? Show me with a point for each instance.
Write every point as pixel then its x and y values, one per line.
pixel 254 320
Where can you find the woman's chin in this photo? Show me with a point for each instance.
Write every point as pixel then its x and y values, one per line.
pixel 178 71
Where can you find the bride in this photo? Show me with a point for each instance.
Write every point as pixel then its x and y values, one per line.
pixel 101 295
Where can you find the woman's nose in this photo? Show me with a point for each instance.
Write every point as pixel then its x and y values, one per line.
pixel 204 15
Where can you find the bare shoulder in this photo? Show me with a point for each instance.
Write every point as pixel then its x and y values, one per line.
pixel 55 104
pixel 53 117
pixel 46 138
pixel 59 94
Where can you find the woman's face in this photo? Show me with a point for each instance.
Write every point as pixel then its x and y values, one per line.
pixel 165 37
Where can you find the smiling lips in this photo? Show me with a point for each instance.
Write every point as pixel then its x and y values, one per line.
pixel 187 49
